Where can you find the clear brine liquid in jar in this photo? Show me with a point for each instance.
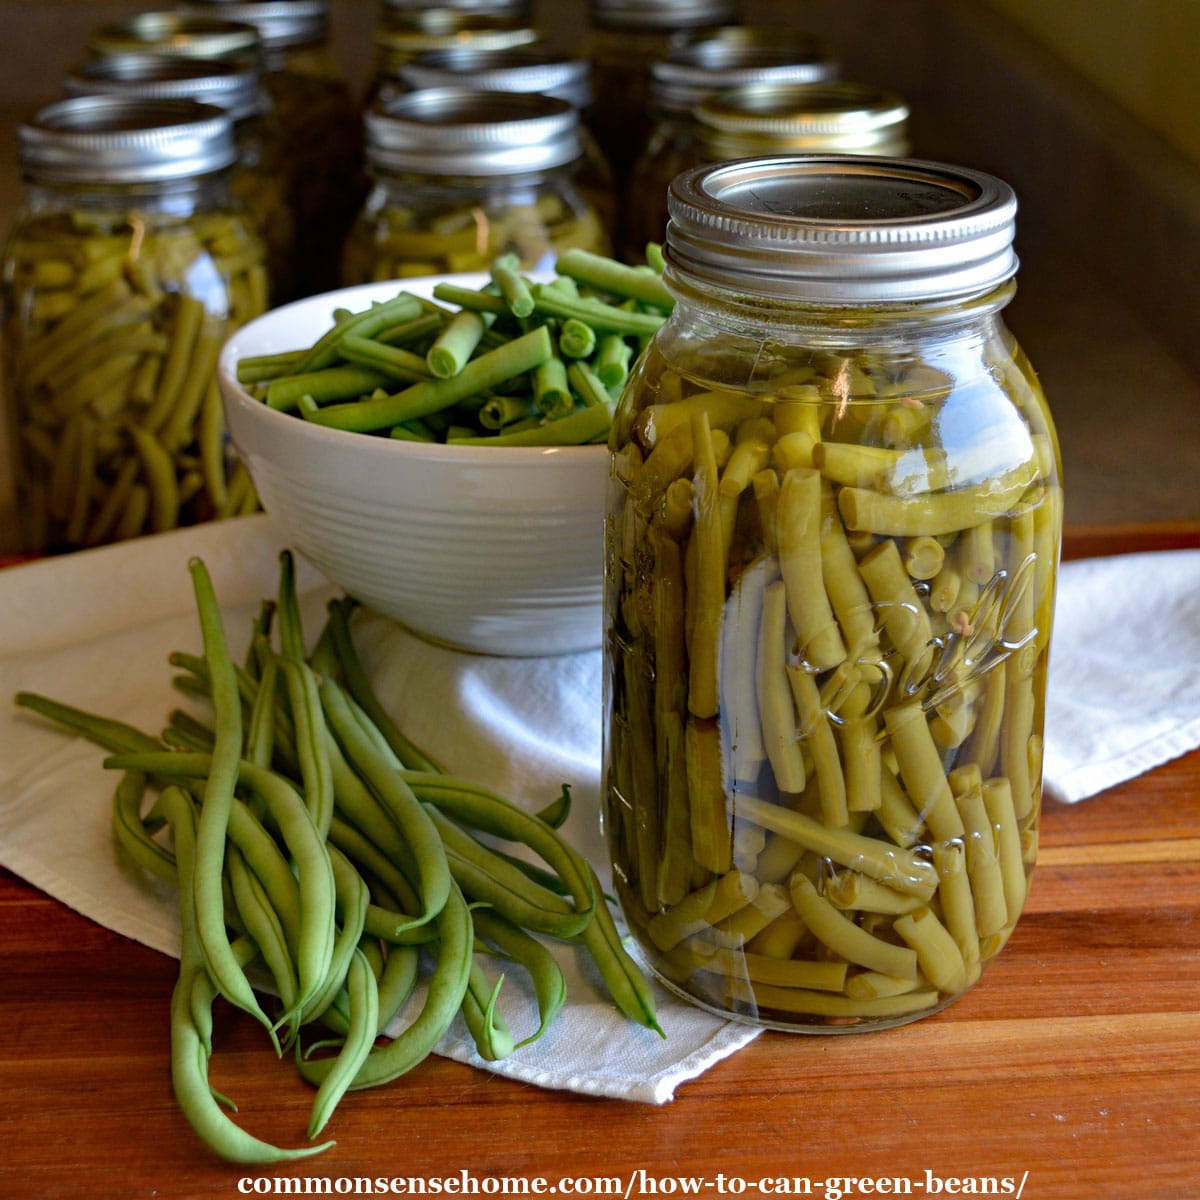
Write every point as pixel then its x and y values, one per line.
pixel 831 552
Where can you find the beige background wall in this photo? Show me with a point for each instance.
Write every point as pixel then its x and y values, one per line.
pixel 1146 56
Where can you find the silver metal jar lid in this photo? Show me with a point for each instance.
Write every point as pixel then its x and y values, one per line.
pixel 528 68
pixel 465 132
pixel 280 23
pixel 122 140
pixel 235 87
pixel 736 56
pixel 775 117
pixel 178 33
pixel 838 229
pixel 660 14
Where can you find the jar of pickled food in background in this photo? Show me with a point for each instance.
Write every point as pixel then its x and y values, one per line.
pixel 259 174
pixel 711 62
pixel 127 265
pixel 404 35
pixel 535 68
pixel 462 176
pixel 624 37
pixel 831 552
pixel 769 117
pixel 321 122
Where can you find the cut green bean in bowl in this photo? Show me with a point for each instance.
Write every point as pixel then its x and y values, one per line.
pixel 504 359
pixel 438 447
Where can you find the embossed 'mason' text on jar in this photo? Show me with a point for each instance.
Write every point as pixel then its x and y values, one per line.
pixel 831 550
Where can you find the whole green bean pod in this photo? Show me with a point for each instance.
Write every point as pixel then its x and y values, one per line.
pixel 393 791
pixel 213 825
pixel 363 991
pixel 488 1029
pixel 515 944
pixel 189 1056
pixel 486 877
pixel 287 810
pixel 359 686
pixel 625 980
pixel 262 923
pixel 478 807
pixel 443 999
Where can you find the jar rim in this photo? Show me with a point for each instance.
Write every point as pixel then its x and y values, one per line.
pixel 525 67
pixel 735 56
pixel 226 83
pixel 280 23
pixel 467 131
pixel 124 140
pixel 842 228
pixel 178 33
pixel 786 107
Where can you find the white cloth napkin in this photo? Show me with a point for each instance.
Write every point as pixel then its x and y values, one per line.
pixel 95 628
pixel 1124 692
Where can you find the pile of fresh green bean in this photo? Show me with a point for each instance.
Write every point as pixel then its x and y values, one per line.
pixel 516 363
pixel 311 841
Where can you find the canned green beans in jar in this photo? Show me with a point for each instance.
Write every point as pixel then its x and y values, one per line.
pixel 258 177
pixel 126 267
pixel 831 551
pixel 462 177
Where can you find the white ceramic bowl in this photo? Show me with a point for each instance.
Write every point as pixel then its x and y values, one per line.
pixel 497 550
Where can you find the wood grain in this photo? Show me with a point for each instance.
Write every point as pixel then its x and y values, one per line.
pixel 1076 1059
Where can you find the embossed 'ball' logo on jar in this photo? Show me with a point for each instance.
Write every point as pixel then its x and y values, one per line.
pixel 997 627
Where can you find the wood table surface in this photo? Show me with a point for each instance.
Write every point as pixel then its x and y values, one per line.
pixel 1071 1070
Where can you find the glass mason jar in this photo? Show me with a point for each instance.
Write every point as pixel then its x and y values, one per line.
pixel 624 38
pixel 535 68
pixel 831 552
pixel 770 117
pixel 404 35
pixel 321 123
pixel 258 176
pixel 462 176
pixel 712 62
pixel 126 267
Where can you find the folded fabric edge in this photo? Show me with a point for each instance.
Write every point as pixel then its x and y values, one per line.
pixel 656 1089
pixel 163 938
pixel 1084 782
